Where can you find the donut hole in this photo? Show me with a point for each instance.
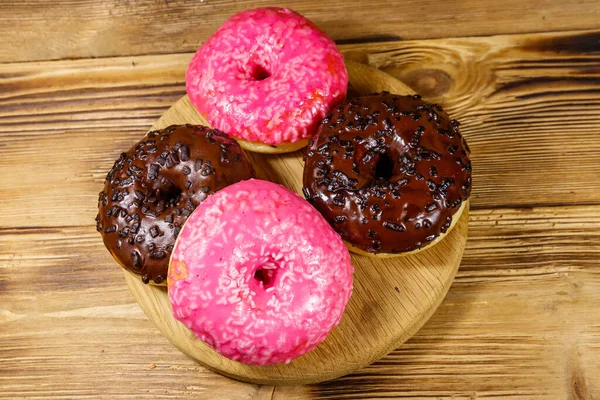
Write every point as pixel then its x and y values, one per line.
pixel 165 197
pixel 258 72
pixel 265 275
pixel 384 168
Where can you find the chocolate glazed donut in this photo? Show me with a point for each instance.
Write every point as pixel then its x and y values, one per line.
pixel 388 172
pixel 152 189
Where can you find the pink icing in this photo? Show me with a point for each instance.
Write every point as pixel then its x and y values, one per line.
pixel 279 313
pixel 267 75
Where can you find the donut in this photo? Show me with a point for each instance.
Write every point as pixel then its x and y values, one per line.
pixel 152 189
pixel 258 274
pixel 390 173
pixel 268 76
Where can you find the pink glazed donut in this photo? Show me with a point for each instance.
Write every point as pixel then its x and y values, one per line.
pixel 267 77
pixel 258 274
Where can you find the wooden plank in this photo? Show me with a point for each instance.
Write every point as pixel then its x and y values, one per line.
pixel 126 93
pixel 529 106
pixel 30 30
pixel 69 328
pixel 520 321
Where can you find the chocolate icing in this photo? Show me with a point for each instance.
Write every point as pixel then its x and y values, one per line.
pixel 388 172
pixel 152 189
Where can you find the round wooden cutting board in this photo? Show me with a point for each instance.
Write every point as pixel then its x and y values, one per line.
pixel 392 298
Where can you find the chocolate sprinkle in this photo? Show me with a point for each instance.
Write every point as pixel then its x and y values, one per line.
pixel 393 167
pixel 151 189
pixel 393 226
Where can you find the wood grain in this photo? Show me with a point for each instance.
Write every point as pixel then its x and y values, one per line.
pixel 530 330
pixel 529 106
pixel 81 28
pixel 68 323
pixel 510 327
pixel 520 320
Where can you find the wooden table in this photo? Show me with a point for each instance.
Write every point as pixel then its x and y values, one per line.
pixel 82 80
